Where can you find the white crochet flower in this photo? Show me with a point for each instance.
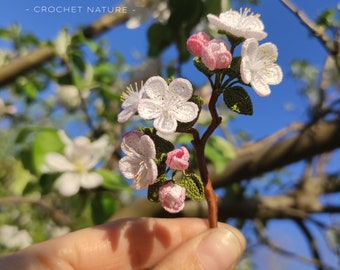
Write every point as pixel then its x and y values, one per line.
pixel 138 164
pixel 131 98
pixel 167 104
pixel 258 66
pixel 239 24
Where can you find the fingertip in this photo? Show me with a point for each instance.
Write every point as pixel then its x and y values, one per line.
pixel 220 248
pixel 217 249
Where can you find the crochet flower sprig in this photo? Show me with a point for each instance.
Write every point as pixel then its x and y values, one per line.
pixel 154 163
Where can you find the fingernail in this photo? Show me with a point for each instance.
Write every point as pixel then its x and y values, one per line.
pixel 220 249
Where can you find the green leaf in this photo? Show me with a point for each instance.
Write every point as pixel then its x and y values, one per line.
pixel 238 100
pixel 326 18
pixel 102 207
pixel 159 37
pixel 44 142
pixel 193 185
pixel 153 190
pixel 180 10
pixel 213 7
pixel 77 59
pixel 181 24
pixel 113 180
pixel 46 182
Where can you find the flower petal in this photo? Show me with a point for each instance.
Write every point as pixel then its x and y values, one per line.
pixel 245 71
pixel 126 114
pixel 147 176
pixel 260 86
pixel 273 75
pixel 147 147
pixel 129 166
pixel 136 144
pixel 249 48
pixel 182 88
pixel 149 109
pixel 239 24
pixel 166 123
pixel 99 149
pixel 155 87
pixel 68 184
pixel 65 139
pixel 186 112
pixel 56 162
pixel 90 180
pixel 130 142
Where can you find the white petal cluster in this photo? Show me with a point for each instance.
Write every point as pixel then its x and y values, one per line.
pixel 138 164
pixel 131 98
pixel 76 163
pixel 13 238
pixel 167 104
pixel 258 66
pixel 141 10
pixel 239 24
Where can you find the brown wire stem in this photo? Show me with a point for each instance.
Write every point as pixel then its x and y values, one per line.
pixel 199 145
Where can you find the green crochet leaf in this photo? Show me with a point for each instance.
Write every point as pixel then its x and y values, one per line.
pixel 153 189
pixel 238 100
pixel 193 185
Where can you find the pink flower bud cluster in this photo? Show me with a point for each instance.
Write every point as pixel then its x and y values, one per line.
pixel 171 195
pixel 214 53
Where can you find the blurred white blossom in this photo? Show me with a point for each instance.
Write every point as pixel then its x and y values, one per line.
pixel 69 96
pixel 13 238
pixel 76 163
pixel 141 10
pixel 62 43
pixel 56 231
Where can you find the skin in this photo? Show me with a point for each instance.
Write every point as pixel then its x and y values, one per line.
pixel 139 243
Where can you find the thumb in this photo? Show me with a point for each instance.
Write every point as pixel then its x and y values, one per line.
pixel 218 249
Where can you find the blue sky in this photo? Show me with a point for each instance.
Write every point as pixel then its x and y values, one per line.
pixel 292 39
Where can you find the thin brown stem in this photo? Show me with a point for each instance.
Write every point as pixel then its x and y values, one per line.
pixel 199 145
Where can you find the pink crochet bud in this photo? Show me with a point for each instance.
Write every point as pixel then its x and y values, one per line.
pixel 216 55
pixel 178 159
pixel 197 42
pixel 172 197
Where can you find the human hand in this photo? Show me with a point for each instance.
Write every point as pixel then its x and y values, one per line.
pixel 140 243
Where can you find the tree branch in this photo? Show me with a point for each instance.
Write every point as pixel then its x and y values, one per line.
pixel 311 241
pixel 315 139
